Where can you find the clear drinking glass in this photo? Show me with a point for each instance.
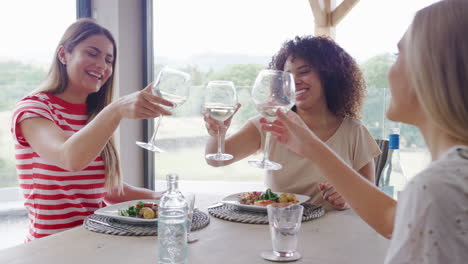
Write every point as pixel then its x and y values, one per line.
pixel 272 90
pixel 220 104
pixel 285 223
pixel 190 199
pixel 174 86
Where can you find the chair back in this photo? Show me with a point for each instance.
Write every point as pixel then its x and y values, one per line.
pixel 380 159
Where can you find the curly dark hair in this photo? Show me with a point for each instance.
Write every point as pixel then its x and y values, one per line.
pixel 341 78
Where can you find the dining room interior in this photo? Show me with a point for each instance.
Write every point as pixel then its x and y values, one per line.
pixel 210 40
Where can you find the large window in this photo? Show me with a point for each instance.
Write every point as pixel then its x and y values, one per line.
pixel 233 40
pixel 25 54
pixel 370 33
pixel 217 40
pixel 30 32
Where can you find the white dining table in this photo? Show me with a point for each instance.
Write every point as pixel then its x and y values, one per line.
pixel 336 237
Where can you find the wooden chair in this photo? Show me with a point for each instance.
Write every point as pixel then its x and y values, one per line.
pixel 380 159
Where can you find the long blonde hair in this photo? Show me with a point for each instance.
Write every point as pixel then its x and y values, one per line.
pixel 57 79
pixel 437 56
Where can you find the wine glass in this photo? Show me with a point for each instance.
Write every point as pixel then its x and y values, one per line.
pixel 220 104
pixel 272 90
pixel 172 85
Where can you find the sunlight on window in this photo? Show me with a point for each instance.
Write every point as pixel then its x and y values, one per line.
pixel 28 42
pixel 234 40
pixel 220 42
pixel 25 55
pixel 370 33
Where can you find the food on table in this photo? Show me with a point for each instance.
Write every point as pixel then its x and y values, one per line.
pixel 141 210
pixel 263 202
pixel 147 213
pixel 287 198
pixel 250 197
pixel 266 198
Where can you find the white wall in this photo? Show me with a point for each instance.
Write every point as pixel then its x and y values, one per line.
pixel 123 19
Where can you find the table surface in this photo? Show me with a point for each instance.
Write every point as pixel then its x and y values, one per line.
pixel 336 237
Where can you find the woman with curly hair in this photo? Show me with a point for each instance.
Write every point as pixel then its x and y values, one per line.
pixel 428 82
pixel 329 94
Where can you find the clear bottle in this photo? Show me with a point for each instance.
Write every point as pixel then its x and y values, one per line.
pixel 172 224
pixel 393 179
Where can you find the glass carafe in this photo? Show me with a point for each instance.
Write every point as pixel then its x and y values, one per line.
pixel 172 224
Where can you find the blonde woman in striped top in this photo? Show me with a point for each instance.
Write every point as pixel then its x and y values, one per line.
pixel 67 162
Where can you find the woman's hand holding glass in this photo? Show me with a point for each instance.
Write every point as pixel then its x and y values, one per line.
pixel 143 104
pixel 291 131
pixel 174 86
pixel 273 91
pixel 220 105
pixel 214 125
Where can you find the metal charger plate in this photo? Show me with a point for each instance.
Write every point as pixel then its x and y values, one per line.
pixel 236 214
pixel 199 221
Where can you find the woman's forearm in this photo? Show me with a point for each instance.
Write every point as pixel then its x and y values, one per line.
pixel 368 171
pixel 74 152
pixel 131 193
pixel 372 205
pixel 84 146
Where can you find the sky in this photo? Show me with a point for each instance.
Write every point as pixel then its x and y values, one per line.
pixel 258 27
pixel 35 38
pixel 186 27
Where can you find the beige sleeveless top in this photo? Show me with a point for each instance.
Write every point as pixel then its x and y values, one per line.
pixel 351 141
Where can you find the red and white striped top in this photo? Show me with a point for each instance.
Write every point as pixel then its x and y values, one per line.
pixel 56 199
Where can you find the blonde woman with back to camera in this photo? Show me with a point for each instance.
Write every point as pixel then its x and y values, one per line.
pixel 429 86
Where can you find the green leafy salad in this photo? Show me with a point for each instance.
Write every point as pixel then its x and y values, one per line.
pixel 141 210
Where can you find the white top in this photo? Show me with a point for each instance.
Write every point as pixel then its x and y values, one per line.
pixel 352 142
pixel 431 224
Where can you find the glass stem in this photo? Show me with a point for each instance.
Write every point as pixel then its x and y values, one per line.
pixel 266 152
pixel 220 141
pixel 153 138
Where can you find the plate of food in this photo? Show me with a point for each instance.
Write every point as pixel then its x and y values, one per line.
pixel 257 201
pixel 137 211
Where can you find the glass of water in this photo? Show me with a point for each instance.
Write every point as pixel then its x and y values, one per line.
pixel 285 223
pixel 190 199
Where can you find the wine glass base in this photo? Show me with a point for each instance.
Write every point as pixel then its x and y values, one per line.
pixel 219 156
pixel 276 256
pixel 149 146
pixel 265 164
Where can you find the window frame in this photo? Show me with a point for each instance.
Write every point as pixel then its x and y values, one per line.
pixel 83 8
pixel 149 178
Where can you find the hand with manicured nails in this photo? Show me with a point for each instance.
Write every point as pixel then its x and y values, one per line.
pixel 142 105
pixel 289 130
pixel 330 195
pixel 213 125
